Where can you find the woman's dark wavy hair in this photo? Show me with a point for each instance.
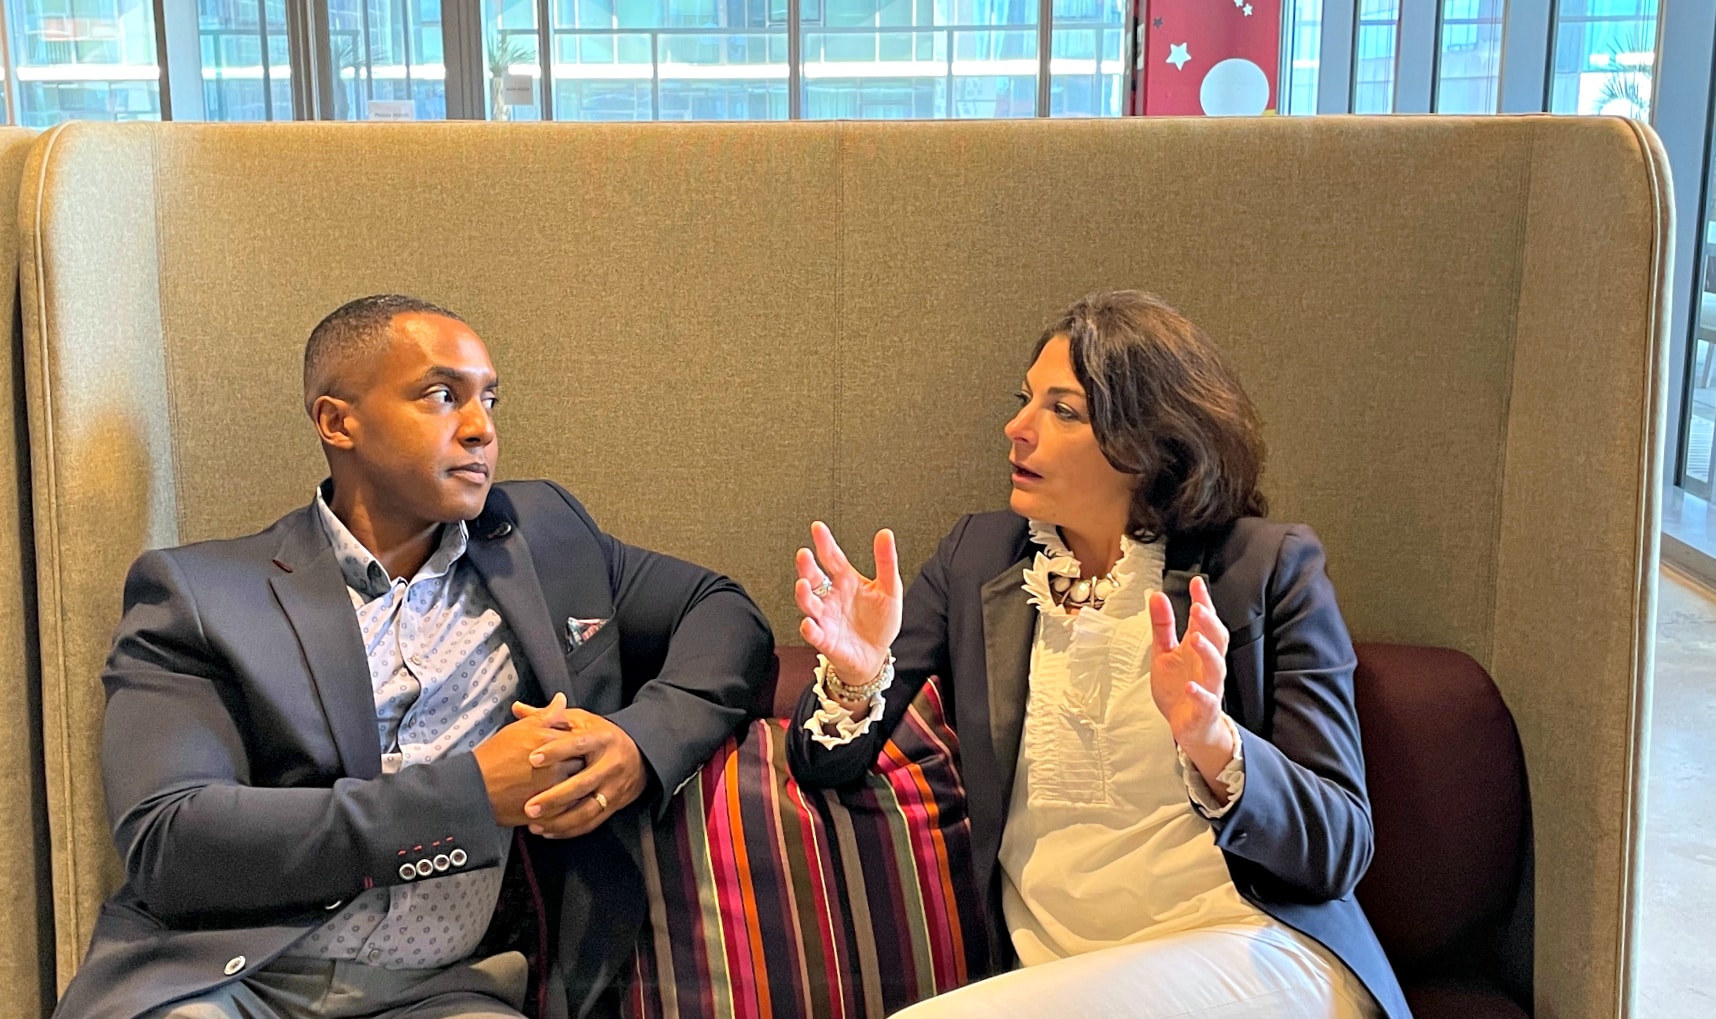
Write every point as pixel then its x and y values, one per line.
pixel 1165 406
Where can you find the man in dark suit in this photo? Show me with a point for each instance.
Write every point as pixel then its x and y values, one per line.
pixel 319 765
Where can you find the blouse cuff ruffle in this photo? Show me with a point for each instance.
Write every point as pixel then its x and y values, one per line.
pixel 1232 775
pixel 845 726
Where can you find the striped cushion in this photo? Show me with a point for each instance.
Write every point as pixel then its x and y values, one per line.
pixel 766 899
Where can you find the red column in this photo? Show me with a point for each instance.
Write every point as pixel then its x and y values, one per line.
pixel 1207 57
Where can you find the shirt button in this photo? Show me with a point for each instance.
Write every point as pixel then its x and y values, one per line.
pixel 457 858
pixel 416 659
pixel 234 964
pixel 374 954
pixel 407 871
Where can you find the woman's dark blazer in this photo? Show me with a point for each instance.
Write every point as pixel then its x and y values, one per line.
pixel 1299 837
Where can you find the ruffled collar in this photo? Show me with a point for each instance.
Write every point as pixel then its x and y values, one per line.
pixel 1128 597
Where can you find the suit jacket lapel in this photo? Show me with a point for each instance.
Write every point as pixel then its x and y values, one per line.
pixel 313 594
pixel 1185 559
pixel 1008 620
pixel 1177 585
pixel 501 557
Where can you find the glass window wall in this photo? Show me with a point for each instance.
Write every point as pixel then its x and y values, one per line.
pixel 1304 27
pixel 387 59
pixel 1468 68
pixel 667 59
pixel 83 60
pixel 1700 426
pixel 246 70
pixel 1087 68
pixel 512 70
pixel 1374 49
pixel 1604 57
pixel 899 59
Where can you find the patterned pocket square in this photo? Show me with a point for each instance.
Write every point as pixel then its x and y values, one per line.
pixel 579 631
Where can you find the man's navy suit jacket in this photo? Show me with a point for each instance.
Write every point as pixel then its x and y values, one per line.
pixel 243 767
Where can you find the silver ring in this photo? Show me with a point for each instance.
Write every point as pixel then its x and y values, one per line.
pixel 822 590
pixel 601 801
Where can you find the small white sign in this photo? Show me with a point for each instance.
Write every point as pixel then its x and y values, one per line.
pixel 518 90
pixel 392 109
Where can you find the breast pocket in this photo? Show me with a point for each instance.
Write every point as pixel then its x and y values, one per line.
pixel 1245 633
pixel 599 645
pixel 1244 696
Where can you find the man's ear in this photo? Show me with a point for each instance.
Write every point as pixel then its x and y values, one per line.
pixel 335 424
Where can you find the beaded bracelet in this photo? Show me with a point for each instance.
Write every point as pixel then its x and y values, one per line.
pixel 837 690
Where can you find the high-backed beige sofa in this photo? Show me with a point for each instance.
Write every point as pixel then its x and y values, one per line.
pixel 715 333
pixel 26 914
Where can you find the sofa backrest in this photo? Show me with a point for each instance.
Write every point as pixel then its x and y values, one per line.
pixel 26 913
pixel 716 333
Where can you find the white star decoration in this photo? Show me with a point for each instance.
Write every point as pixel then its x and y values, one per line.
pixel 1248 10
pixel 1178 56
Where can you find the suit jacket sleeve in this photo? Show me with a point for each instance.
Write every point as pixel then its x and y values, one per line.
pixel 198 842
pixel 1304 817
pixel 920 651
pixel 702 642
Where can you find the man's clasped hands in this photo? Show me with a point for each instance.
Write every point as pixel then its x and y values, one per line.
pixel 559 771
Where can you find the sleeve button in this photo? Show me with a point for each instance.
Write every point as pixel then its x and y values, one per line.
pixel 234 964
pixel 457 858
pixel 407 871
pixel 443 861
pixel 425 868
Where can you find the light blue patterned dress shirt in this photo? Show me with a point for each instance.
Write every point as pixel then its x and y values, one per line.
pixel 445 677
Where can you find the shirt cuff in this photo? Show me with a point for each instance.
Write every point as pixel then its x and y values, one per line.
pixel 831 715
pixel 1232 775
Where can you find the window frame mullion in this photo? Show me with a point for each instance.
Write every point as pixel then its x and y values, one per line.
pixel 545 58
pixel 1045 51
pixel 795 59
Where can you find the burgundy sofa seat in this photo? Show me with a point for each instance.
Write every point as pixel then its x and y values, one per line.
pixel 1447 890
pixel 1448 798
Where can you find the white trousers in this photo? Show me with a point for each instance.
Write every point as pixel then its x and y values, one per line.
pixel 1242 971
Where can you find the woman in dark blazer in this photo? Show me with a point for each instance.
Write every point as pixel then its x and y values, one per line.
pixel 1152 687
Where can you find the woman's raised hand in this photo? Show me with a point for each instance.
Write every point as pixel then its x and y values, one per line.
pixel 855 619
pixel 1187 676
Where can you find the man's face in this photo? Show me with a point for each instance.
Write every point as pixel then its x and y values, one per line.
pixel 422 424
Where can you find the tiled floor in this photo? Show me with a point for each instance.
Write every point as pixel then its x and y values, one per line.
pixel 1677 922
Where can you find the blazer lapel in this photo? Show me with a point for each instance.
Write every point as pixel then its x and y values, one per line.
pixel 1177 585
pixel 1008 619
pixel 502 558
pixel 312 592
pixel 1184 560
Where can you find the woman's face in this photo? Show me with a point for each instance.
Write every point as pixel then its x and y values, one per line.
pixel 1059 474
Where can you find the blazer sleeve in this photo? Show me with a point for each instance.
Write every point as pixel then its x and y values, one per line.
pixel 1304 817
pixel 199 844
pixel 702 641
pixel 920 651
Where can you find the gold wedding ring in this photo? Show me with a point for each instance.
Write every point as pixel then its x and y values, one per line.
pixel 601 801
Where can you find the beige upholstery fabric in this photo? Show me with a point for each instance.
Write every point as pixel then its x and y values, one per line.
pixel 26 914
pixel 716 333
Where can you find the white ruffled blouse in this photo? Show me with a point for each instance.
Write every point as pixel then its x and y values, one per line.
pixel 1104 843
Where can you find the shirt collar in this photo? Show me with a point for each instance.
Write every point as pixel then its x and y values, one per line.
pixel 364 573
